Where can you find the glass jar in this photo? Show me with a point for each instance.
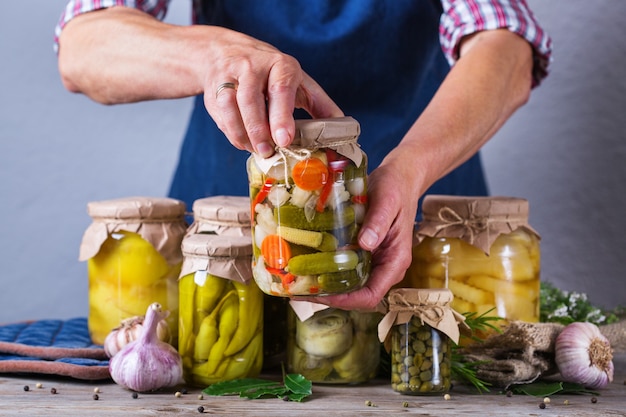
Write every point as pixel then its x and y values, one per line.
pixel 221 215
pixel 308 203
pixel 221 310
pixel 418 332
pixel 484 251
pixel 132 249
pixel 332 346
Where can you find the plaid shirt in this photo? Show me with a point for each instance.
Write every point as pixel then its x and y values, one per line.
pixel 459 18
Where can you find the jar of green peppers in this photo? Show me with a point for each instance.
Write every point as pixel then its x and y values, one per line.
pixel 221 310
pixel 308 202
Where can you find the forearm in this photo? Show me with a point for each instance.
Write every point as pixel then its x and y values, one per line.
pixel 121 55
pixel 489 82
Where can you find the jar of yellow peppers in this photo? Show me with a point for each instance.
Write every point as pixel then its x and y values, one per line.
pixel 132 249
pixel 221 310
pixel 483 250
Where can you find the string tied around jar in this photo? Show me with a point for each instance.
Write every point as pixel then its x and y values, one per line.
pixel 474 225
pixel 431 306
pixel 299 154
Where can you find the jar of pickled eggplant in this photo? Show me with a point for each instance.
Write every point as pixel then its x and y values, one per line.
pixel 484 251
pixel 308 201
pixel 417 332
pixel 221 310
pixel 332 346
pixel 132 249
pixel 221 215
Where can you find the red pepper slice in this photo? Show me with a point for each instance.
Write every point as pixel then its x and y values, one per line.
pixel 262 194
pixel 336 163
pixel 359 199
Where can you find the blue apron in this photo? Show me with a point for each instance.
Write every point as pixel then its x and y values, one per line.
pixel 379 60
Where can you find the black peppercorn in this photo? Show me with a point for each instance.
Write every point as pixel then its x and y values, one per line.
pixel 594 400
pixel 96 397
pixel 201 409
pixel 53 390
pixel 509 393
pixel 26 388
pixel 135 395
pixel 542 405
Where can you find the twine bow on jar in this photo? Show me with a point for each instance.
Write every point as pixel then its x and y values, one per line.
pixel 474 225
pixel 431 306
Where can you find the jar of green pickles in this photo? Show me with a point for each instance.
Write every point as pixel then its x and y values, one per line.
pixel 132 249
pixel 332 346
pixel 483 250
pixel 221 310
pixel 308 202
pixel 417 332
pixel 221 215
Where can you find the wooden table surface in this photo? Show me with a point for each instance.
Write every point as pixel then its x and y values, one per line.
pixel 75 398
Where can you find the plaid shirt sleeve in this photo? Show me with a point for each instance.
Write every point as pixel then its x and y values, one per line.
pixel 464 17
pixel 156 8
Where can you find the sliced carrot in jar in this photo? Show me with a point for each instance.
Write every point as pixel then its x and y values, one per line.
pixel 276 251
pixel 310 174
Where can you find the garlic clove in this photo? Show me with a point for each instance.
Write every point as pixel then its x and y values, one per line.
pixel 147 363
pixel 130 329
pixel 583 355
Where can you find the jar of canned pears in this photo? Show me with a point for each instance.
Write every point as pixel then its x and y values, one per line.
pixel 417 332
pixel 308 201
pixel 221 310
pixel 484 251
pixel 221 215
pixel 332 346
pixel 132 249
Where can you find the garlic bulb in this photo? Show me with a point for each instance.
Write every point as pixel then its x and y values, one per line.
pixel 129 330
pixel 147 364
pixel 583 355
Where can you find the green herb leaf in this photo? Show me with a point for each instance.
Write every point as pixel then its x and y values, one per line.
pixel 298 384
pixel 546 388
pixel 296 387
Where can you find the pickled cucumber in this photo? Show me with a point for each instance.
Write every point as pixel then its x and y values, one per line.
pixel 342 281
pixel 323 262
pixel 292 216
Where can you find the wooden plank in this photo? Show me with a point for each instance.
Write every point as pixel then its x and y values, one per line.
pixel 75 398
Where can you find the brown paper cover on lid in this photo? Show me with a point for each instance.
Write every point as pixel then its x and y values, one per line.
pixel 222 215
pixel 228 257
pixel 431 306
pixel 338 133
pixel 158 220
pixel 476 220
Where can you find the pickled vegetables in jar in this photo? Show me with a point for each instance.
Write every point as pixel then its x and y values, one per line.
pixel 332 346
pixel 484 251
pixel 307 206
pixel 221 310
pixel 132 249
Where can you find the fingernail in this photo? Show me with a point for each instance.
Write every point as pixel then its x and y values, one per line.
pixel 369 238
pixel 281 137
pixel 264 149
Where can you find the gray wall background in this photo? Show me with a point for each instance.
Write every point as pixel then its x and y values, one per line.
pixel 564 152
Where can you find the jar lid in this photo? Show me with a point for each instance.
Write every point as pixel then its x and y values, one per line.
pixel 228 257
pixel 477 220
pixel 210 245
pixel 223 209
pixel 431 306
pixel 137 208
pixel 324 133
pixel 160 221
